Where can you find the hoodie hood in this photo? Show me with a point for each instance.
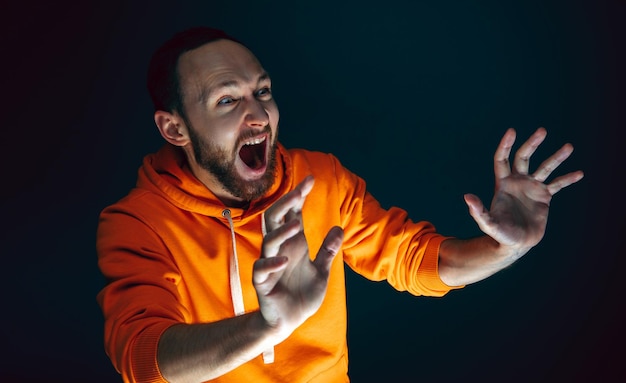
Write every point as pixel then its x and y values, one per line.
pixel 168 174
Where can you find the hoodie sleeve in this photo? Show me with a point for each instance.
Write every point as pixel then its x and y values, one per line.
pixel 384 244
pixel 139 273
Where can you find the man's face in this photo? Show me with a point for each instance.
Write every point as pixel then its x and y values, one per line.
pixel 232 118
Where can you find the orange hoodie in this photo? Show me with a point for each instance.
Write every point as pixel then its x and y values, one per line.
pixel 165 251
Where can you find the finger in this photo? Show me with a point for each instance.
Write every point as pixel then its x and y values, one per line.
pixel 292 201
pixel 564 181
pixel 305 187
pixel 522 156
pixel 266 272
pixel 293 215
pixel 547 167
pixel 501 158
pixel 274 239
pixel 329 249
pixel 478 211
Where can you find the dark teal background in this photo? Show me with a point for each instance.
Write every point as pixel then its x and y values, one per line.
pixel 412 96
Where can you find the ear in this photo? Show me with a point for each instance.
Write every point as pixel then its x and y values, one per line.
pixel 171 127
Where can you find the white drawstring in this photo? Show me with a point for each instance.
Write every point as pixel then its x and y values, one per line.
pixel 236 292
pixel 268 355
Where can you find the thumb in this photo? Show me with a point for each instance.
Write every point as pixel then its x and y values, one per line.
pixel 478 211
pixel 329 249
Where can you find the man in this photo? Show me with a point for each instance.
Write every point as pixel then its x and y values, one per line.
pixel 226 261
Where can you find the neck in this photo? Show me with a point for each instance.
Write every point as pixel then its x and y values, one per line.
pixel 212 183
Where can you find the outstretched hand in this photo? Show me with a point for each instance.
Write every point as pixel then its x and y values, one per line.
pixel 518 214
pixel 290 287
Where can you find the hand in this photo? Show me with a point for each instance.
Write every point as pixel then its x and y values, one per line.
pixel 519 210
pixel 290 287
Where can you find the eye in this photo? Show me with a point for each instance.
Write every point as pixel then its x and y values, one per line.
pixel 265 92
pixel 226 100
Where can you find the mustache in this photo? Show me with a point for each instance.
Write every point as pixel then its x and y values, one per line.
pixel 247 134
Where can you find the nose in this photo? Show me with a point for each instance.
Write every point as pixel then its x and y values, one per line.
pixel 256 115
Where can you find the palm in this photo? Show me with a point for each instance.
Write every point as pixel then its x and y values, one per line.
pixel 301 286
pixel 519 211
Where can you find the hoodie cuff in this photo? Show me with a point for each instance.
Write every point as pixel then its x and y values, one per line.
pixel 144 354
pixel 428 271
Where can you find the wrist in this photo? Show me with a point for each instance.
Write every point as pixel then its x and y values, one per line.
pixel 273 332
pixel 511 253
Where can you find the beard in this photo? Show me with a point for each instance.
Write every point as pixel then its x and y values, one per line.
pixel 221 163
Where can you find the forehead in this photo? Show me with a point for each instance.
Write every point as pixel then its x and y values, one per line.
pixel 218 62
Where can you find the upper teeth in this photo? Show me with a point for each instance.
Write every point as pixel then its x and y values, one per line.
pixel 256 141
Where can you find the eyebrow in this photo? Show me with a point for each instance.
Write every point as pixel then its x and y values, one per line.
pixel 207 92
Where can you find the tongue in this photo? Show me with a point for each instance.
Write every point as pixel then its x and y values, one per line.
pixel 253 156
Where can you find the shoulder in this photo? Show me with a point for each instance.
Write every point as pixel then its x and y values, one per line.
pixel 139 207
pixel 326 168
pixel 309 155
pixel 316 162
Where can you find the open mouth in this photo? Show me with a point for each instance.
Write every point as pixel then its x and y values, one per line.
pixel 252 153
